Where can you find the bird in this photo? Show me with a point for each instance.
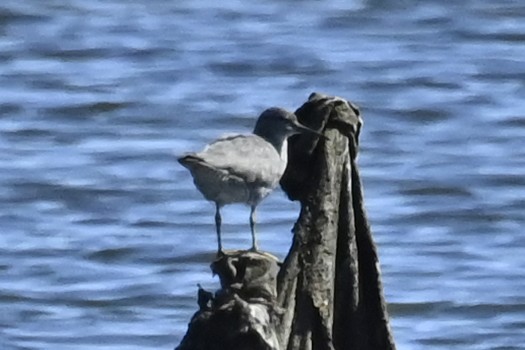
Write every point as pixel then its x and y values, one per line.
pixel 245 168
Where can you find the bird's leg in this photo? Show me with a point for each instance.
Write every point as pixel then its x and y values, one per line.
pixel 252 227
pixel 218 222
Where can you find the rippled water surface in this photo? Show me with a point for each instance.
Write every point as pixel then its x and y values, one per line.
pixel 103 235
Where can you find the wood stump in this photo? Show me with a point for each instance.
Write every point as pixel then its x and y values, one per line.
pixel 327 294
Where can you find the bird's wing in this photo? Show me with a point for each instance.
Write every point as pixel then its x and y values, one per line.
pixel 249 157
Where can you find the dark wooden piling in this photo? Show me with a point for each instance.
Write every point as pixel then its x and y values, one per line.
pixel 240 315
pixel 327 294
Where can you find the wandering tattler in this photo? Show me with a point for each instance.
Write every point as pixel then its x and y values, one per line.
pixel 244 168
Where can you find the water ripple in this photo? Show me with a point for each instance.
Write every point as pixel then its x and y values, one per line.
pixel 104 237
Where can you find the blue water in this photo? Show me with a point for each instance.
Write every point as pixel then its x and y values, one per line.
pixel 103 235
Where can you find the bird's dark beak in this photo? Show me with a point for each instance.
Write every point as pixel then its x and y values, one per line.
pixel 301 129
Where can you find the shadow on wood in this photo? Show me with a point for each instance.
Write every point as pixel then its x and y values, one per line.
pixel 328 292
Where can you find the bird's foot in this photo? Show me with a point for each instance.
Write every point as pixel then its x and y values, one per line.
pixel 254 249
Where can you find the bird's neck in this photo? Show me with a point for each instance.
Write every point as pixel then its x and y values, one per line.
pixel 280 144
pixel 283 152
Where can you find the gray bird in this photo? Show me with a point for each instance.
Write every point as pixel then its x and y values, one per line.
pixel 244 168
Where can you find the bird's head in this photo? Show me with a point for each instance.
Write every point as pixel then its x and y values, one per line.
pixel 279 123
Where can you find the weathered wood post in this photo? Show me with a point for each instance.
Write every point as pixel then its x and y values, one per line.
pixel 330 284
pixel 327 294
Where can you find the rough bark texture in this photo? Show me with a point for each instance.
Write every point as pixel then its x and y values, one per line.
pixel 332 271
pixel 241 315
pixel 327 293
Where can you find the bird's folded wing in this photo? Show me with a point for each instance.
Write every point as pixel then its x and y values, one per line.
pixel 247 156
